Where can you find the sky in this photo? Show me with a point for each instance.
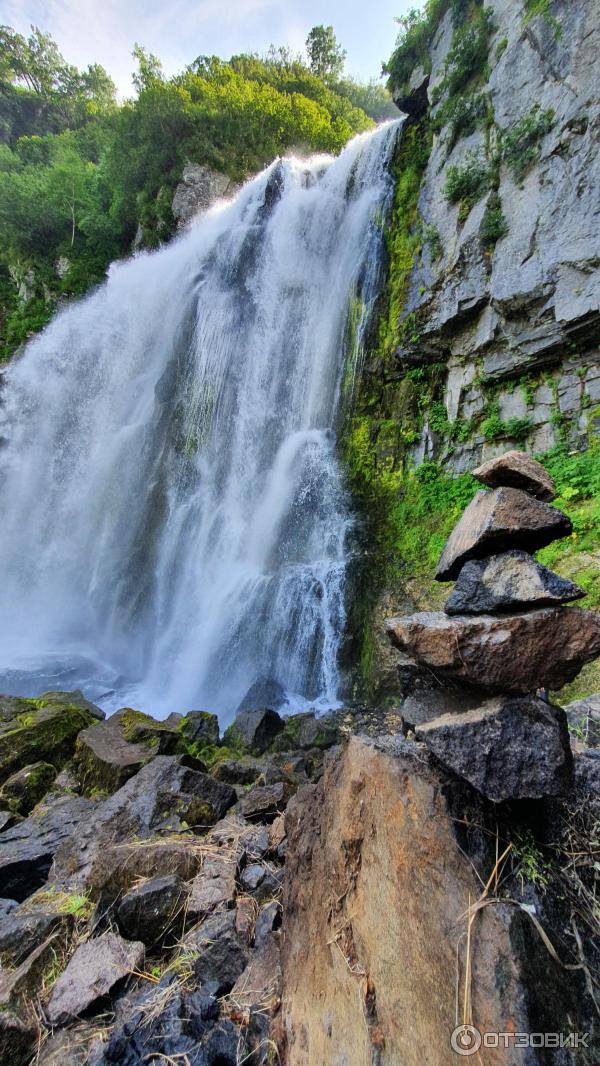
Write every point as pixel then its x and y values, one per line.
pixel 104 31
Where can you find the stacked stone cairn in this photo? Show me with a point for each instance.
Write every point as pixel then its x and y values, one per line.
pixel 504 640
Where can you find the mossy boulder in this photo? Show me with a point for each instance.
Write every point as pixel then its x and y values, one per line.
pixel 200 728
pixel 253 731
pixel 24 789
pixel 33 731
pixel 305 731
pixel 109 753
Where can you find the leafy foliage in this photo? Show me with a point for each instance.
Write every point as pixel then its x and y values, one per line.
pixel 493 224
pixel 78 173
pixel 468 53
pixel 522 143
pixel 466 183
pixel 325 55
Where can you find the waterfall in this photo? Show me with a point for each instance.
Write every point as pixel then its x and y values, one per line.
pixel 174 520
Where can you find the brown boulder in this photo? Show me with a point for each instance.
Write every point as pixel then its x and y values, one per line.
pixel 378 886
pixel 498 521
pixel 508 653
pixel 517 470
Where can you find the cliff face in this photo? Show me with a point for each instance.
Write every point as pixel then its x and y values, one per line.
pixel 515 320
pixel 488 337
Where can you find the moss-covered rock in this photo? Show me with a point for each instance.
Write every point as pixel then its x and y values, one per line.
pixel 24 789
pixel 33 731
pixel 106 756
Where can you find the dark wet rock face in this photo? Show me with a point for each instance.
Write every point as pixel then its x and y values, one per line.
pixel 28 849
pixel 265 692
pixel 202 728
pixel 254 730
pixel 24 789
pixel 509 582
pixel 517 470
pixel 93 971
pixel 153 909
pixel 507 748
pixel 108 754
pixel 499 520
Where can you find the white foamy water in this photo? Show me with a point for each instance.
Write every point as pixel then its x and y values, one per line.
pixel 173 520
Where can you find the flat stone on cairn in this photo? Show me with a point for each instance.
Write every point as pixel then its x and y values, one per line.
pixel 517 470
pixel 504 631
pixel 498 521
pixel 511 581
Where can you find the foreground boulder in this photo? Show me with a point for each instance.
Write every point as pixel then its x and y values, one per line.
pixel 515 653
pixel 153 908
pixel 497 521
pixel 507 748
pixel 39 730
pixel 254 730
pixel 381 870
pixel 519 471
pixel 28 848
pixel 93 971
pixel 21 791
pixel 109 753
pixel 511 581
pixel 165 797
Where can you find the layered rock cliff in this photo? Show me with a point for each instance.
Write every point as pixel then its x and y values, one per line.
pixel 489 330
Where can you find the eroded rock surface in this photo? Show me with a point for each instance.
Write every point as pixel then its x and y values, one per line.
pixel 95 968
pixel 511 581
pixel 507 748
pixel 519 471
pixel 496 521
pixel 515 653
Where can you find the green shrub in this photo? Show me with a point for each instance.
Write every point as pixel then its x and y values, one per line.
pixel 468 54
pixel 542 7
pixel 463 115
pixel 501 47
pixel 468 182
pixel 493 224
pixel 522 142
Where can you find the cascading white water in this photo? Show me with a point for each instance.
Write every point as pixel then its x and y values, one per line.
pixel 174 523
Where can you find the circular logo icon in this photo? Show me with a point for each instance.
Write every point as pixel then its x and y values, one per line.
pixel 465 1040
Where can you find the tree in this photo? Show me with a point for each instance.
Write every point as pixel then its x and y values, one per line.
pixel 326 57
pixel 149 70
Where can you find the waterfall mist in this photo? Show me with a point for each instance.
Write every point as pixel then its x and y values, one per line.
pixel 174 521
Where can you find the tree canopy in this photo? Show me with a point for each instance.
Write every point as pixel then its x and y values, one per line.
pixel 80 174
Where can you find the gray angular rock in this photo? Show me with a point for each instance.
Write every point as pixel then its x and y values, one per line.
pixel 264 803
pixel 109 753
pixel 91 973
pixel 515 653
pixel 221 954
pixel 264 692
pixel 152 909
pixel 199 188
pixel 497 521
pixel 506 749
pixel 201 727
pixel 508 582
pixel 254 730
pixel 583 717
pixel 23 931
pixel 163 795
pixel 28 848
pixel 517 470
pixel 214 886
